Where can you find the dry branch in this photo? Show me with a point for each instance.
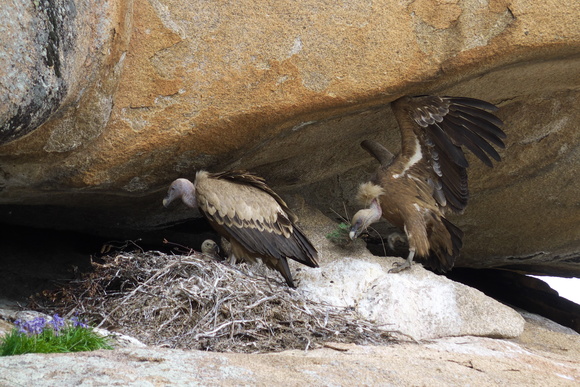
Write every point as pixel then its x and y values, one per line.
pixel 195 302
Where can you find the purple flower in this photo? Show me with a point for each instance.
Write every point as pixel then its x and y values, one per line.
pixel 78 323
pixel 57 322
pixel 32 327
pixel 20 325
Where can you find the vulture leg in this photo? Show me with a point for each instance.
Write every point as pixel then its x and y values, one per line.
pixel 395 237
pixel 405 265
pixel 231 259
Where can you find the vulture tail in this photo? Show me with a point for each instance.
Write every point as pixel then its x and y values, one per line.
pixel 282 266
pixel 441 260
pixel 307 254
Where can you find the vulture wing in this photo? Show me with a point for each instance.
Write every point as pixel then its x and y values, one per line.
pixel 442 125
pixel 243 206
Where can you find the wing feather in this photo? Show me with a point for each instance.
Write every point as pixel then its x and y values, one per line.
pixel 444 125
pixel 445 146
pixel 247 210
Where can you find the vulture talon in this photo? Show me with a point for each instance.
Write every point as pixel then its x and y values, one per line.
pixel 428 178
pixel 407 263
pixel 399 267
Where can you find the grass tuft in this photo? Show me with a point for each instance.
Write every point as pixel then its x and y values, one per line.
pixel 51 336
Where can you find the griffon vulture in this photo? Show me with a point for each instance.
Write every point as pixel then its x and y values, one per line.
pixel 211 249
pixel 428 178
pixel 253 218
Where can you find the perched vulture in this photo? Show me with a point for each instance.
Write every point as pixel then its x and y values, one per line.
pixel 253 218
pixel 428 178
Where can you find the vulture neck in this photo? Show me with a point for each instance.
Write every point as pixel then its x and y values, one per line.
pixel 364 218
pixel 188 195
pixel 374 212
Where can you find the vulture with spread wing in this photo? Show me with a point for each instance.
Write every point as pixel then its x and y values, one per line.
pixel 253 218
pixel 428 178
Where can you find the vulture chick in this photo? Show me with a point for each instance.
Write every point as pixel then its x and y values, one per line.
pixel 253 218
pixel 211 249
pixel 428 178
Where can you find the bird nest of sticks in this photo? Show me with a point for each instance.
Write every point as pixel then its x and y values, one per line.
pixel 195 302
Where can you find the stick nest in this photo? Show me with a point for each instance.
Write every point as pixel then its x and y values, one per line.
pixel 196 302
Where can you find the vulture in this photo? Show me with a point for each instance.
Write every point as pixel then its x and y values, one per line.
pixel 253 218
pixel 211 249
pixel 428 178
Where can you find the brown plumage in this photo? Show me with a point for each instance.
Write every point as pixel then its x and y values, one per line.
pixel 428 178
pixel 252 217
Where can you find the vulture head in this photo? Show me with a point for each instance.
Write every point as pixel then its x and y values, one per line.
pixel 184 189
pixel 364 218
pixel 211 249
pixel 368 195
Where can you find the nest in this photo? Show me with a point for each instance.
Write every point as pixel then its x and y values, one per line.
pixel 195 302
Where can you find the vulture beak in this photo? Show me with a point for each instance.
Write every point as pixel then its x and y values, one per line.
pixel 359 224
pixel 173 193
pixel 169 198
pixel 364 218
pixel 354 231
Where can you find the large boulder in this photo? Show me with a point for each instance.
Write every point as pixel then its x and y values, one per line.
pixel 118 99
pixel 416 303
pixel 544 358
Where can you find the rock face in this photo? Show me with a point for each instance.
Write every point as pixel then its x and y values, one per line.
pixel 544 359
pixel 446 308
pixel 59 56
pixel 416 303
pixel 119 99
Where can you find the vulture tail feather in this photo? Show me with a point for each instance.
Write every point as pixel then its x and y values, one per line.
pixel 483 114
pixel 472 102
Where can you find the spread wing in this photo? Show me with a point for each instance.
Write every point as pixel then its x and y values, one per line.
pixel 243 206
pixel 443 125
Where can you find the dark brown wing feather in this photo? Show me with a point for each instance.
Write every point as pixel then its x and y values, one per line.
pixel 297 247
pixel 444 125
pixel 270 233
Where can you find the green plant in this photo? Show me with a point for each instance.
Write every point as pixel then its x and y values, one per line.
pixel 340 235
pixel 49 336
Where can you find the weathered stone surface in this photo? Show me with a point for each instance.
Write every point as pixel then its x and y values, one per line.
pixel 416 302
pixel 542 358
pixel 289 90
pixel 59 56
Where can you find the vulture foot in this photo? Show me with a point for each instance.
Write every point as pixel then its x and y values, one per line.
pixel 398 267
pixel 405 265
